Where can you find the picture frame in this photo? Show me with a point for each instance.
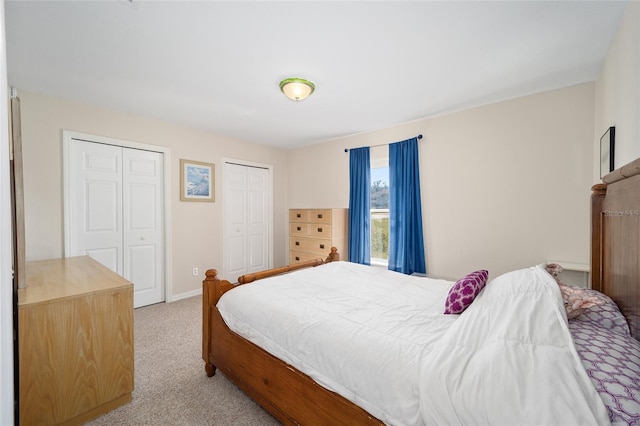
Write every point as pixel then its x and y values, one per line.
pixel 197 181
pixel 607 151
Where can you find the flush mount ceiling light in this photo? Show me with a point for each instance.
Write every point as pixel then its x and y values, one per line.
pixel 297 89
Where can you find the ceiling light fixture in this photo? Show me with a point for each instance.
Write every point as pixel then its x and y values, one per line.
pixel 297 89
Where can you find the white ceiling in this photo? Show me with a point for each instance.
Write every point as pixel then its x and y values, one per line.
pixel 216 65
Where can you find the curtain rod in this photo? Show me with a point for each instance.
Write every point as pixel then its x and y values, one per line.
pixel 381 144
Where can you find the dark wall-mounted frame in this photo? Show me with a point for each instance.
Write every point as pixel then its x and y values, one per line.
pixel 607 151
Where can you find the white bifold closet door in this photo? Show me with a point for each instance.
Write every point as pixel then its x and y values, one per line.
pixel 115 204
pixel 247 197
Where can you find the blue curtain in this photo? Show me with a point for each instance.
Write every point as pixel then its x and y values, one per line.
pixel 359 206
pixel 406 245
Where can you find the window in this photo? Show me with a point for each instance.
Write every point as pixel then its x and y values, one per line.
pixel 379 215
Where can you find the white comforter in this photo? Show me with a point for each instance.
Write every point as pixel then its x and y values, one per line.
pixel 380 339
pixel 357 330
pixel 509 360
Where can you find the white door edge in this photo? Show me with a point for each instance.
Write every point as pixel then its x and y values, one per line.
pixel 269 167
pixel 67 136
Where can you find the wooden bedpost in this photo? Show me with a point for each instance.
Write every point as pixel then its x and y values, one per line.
pixel 212 289
pixel 211 275
pixel 334 256
pixel 597 197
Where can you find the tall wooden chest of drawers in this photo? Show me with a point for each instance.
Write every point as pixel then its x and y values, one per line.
pixel 312 233
pixel 75 333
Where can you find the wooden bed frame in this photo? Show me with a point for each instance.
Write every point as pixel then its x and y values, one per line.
pixel 294 398
pixel 615 240
pixel 288 394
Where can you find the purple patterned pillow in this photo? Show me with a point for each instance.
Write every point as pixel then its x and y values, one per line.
pixel 464 291
pixel 612 361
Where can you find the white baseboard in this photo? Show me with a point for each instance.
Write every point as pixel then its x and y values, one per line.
pixel 186 295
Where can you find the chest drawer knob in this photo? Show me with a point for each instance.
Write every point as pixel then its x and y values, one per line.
pixel 297 243
pixel 298 215
pixel 297 257
pixel 319 229
pixel 321 246
pixel 299 228
pixel 320 216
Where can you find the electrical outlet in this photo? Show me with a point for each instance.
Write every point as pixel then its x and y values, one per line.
pixel 195 271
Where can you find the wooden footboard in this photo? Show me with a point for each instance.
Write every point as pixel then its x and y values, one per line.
pixel 288 394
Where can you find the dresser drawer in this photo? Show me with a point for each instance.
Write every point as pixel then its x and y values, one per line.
pixel 299 229
pixel 310 245
pixel 299 215
pixel 320 216
pixel 297 257
pixel 320 230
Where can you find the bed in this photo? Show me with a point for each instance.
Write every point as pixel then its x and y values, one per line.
pixel 453 392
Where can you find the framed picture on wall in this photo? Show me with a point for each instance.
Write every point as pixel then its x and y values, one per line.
pixel 607 150
pixel 197 181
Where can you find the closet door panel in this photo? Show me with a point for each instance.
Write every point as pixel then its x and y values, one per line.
pixel 95 216
pixel 143 232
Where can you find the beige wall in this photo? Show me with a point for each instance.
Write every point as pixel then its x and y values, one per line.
pixel 618 92
pixel 504 186
pixel 196 227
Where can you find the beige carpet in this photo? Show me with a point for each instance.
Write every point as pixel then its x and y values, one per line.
pixel 171 386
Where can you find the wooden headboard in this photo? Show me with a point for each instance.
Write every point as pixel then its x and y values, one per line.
pixel 615 240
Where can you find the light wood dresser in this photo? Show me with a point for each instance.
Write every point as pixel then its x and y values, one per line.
pixel 75 341
pixel 312 233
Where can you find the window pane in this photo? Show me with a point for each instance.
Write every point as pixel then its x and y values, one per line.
pixel 379 214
